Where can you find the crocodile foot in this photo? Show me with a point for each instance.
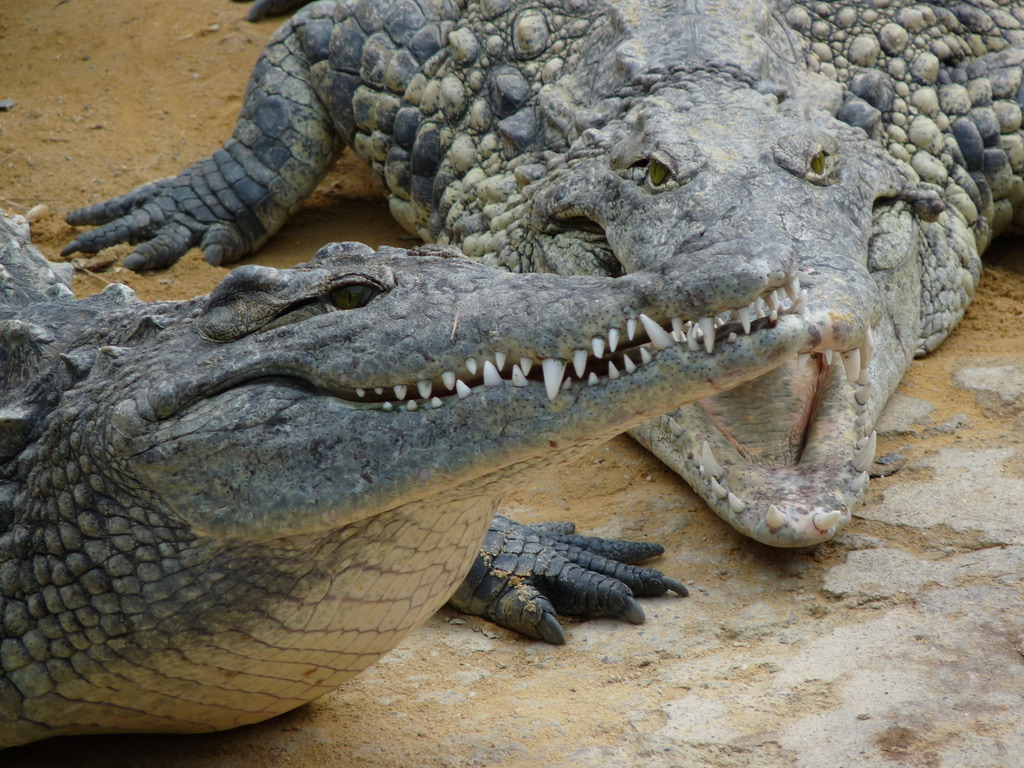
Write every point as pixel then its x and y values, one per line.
pixel 526 574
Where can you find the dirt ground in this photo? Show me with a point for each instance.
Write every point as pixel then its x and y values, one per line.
pixel 109 95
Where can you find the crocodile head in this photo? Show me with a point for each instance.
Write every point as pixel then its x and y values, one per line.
pixel 721 180
pixel 249 497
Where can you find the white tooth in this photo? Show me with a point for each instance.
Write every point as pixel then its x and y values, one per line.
pixel 613 372
pixel 645 356
pixel 707 327
pixel 491 376
pixel 866 455
pixel 746 317
pixel 693 340
pixel 801 360
pixel 773 315
pixel 471 366
pixel 613 339
pixel 851 360
pixel 400 390
pixel 865 377
pixel 859 483
pixel 775 518
pixel 674 426
pixel 435 402
pixel 360 392
pixel 677 329
pixel 732 338
pixel 659 337
pixel 518 379
pixel 718 490
pixel 462 389
pixel 735 504
pixel 499 361
pixel 387 406
pixel 800 305
pixel 598 344
pixel 567 384
pixel 412 405
pixel 858 444
pixel 628 364
pixel 710 461
pixel 425 387
pixel 828 357
pixel 863 394
pixel 553 372
pixel 579 362
pixel 861 421
pixel 448 379
pixel 526 365
pixel 379 390
pixel 592 380
pixel 867 349
pixel 772 300
pixel 793 289
pixel 630 328
pixel 823 521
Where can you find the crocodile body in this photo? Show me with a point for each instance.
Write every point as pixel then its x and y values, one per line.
pixel 213 511
pixel 877 145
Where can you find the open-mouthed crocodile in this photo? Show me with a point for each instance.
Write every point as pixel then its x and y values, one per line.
pixel 877 144
pixel 213 511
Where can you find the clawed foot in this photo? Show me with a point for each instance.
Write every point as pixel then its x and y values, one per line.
pixel 526 574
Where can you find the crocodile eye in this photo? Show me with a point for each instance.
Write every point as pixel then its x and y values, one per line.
pixel 657 173
pixel 353 296
pixel 818 163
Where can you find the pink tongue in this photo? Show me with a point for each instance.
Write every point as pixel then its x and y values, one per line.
pixel 767 419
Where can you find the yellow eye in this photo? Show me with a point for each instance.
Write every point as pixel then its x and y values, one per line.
pixel 657 173
pixel 818 163
pixel 353 296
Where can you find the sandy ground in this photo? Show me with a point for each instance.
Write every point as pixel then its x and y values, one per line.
pixel 900 643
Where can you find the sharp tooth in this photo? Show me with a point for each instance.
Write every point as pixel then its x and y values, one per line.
pixel 491 376
pixel 499 361
pixel 773 315
pixel 412 405
pixel 387 406
pixel 613 372
pixel 598 344
pixel 400 390
pixel 793 289
pixel 677 430
pixel 828 357
pixel 858 444
pixel 448 379
pixel 425 387
pixel 677 329
pixel 630 328
pixel 659 337
pixel 628 364
pixel 735 504
pixel 579 362
pixel 718 490
pixel 553 372
pixel 866 455
pixel 775 518
pixel 707 327
pixel 851 360
pixel 772 300
pixel 693 339
pixel 462 389
pixel 746 318
pixel 709 460
pixel 867 349
pixel 471 366
pixel 863 394
pixel 859 483
pixel 613 339
pixel 645 356
pixel 823 521
pixel 567 384
pixel 360 392
pixel 435 402
pixel 865 377
pixel 526 365
pixel 592 380
pixel 518 379
pixel 732 338
pixel 379 390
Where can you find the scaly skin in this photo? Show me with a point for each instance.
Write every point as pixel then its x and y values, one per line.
pixel 878 147
pixel 210 515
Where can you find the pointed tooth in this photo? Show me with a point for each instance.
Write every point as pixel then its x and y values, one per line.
pixel 448 379
pixel 735 504
pixel 630 328
pixel 693 339
pixel 867 349
pixel 718 490
pixel 553 369
pixel 613 339
pixel 707 327
pixel 645 356
pixel 659 336
pixel 579 362
pixel 499 361
pixel 865 377
pixel 673 425
pixel 828 357
pixel 732 337
pixel 628 364
pixel 518 379
pixel 677 330
pixel 436 402
pixel 746 318
pixel 592 380
pixel 793 289
pixel 866 455
pixel 471 365
pixel 387 406
pixel 863 393
pixel 801 360
pixel 491 376
pixel 379 390
pixel 775 518
pixel 773 315
pixel 613 372
pixel 567 384
pixel 858 444
pixel 425 387
pixel 851 360
pixel 461 389
pixel 709 460
pixel 597 343
pixel 772 300
pixel 360 392
pixel 526 365
pixel 859 483
pixel 400 390
pixel 412 405
pixel 824 521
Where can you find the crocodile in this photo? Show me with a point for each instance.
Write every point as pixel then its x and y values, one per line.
pixel 878 144
pixel 213 511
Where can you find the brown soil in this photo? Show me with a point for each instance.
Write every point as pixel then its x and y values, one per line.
pixel 112 95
